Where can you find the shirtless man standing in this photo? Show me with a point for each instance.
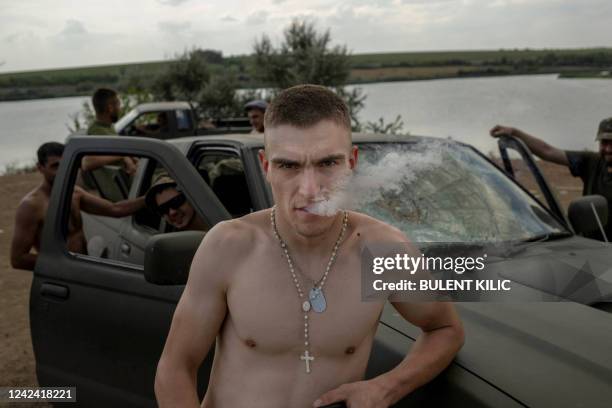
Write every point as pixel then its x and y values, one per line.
pixel 274 348
pixel 32 210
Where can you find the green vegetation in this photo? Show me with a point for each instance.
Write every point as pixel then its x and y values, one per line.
pixel 363 68
pixel 18 168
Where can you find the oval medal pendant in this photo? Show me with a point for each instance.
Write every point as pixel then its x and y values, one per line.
pixel 317 300
pixel 306 306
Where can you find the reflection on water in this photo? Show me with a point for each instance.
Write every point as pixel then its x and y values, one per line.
pixel 564 112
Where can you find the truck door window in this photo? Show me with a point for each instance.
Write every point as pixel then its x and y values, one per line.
pixel 151 124
pixel 120 230
pixel 224 173
pixel 97 210
pixel 111 182
pixel 183 120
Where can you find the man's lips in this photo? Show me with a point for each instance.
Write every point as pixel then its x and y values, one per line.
pixel 305 209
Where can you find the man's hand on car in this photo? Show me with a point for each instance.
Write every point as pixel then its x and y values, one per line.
pixel 361 394
pixel 131 164
pixel 499 130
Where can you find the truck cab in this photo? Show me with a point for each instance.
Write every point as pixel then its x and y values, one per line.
pixel 169 120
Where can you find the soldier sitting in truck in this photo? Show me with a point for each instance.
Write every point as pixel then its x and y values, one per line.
pixel 30 214
pixel 167 200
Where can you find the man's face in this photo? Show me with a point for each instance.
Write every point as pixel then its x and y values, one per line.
pixel 304 166
pixel 49 169
pixel 114 108
pixel 180 216
pixel 256 118
pixel 605 149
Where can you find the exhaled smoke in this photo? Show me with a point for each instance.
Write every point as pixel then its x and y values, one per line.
pixel 379 171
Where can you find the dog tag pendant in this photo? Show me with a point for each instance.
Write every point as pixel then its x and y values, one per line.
pixel 317 300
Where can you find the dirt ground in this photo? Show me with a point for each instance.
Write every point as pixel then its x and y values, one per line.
pixel 16 356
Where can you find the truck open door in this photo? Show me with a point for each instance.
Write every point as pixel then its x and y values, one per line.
pixel 97 324
pixel 514 155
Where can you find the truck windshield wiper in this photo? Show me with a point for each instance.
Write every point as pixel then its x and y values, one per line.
pixel 551 236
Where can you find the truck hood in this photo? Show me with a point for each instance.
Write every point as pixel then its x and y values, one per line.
pixel 543 353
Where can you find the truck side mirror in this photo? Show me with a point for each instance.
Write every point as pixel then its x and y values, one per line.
pixel 588 214
pixel 168 257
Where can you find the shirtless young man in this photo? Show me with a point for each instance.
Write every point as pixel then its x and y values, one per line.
pixel 242 289
pixel 30 214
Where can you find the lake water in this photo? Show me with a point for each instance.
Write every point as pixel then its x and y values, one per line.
pixel 564 112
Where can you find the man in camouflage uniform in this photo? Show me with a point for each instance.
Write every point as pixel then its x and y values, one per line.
pixel 594 168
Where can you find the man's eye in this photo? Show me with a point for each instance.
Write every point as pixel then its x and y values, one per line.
pixel 328 163
pixel 286 166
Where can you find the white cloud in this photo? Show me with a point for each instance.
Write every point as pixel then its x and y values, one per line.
pixel 257 18
pixel 73 27
pixel 174 27
pixel 172 2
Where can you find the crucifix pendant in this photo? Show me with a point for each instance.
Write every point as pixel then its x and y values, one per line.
pixel 307 358
pixel 317 300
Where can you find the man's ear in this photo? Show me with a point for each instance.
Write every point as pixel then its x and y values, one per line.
pixel 264 162
pixel 353 157
pixel 39 167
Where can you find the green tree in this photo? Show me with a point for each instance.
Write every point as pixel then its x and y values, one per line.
pixel 218 99
pixel 184 79
pixel 306 56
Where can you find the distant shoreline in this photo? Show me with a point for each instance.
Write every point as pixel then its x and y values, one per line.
pixel 365 68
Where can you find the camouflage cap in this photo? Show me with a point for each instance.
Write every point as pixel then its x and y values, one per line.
pixel 605 130
pixel 163 182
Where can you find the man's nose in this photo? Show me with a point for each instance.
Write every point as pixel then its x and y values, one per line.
pixel 309 183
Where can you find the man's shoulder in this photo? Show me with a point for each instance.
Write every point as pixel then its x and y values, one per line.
pixel 586 154
pixel 239 234
pixel 97 128
pixel 32 204
pixel 370 229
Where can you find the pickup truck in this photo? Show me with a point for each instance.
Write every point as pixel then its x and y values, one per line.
pixel 180 121
pixel 100 322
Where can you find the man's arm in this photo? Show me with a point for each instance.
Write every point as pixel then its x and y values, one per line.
pixel 196 322
pixel 95 162
pixel 539 147
pixel 441 338
pixel 27 225
pixel 433 351
pixel 95 205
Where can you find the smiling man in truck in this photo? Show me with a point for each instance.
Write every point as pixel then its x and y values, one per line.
pixel 280 289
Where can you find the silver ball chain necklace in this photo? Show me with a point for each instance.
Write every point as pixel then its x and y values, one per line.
pixel 316 299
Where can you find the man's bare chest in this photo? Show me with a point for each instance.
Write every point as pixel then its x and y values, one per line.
pixel 266 310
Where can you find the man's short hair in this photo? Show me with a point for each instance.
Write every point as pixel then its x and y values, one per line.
pixel 304 106
pixel 47 150
pixel 101 98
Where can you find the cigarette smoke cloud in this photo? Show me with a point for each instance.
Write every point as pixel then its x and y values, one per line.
pixel 391 172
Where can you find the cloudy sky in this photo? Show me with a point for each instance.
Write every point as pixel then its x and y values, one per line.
pixel 38 34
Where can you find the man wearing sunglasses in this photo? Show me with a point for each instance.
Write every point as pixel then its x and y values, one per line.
pixel 32 210
pixel 166 199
